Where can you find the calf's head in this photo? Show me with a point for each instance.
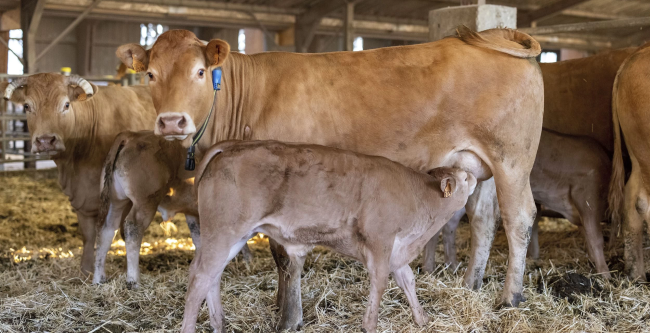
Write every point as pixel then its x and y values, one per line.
pixel 179 67
pixel 49 101
pixel 454 182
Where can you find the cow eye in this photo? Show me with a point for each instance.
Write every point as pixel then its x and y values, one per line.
pixel 26 107
pixel 150 75
pixel 201 72
pixel 67 106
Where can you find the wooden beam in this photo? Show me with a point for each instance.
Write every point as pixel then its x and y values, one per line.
pixel 307 22
pixel 31 12
pixel 348 30
pixel 589 26
pixel 525 20
pixel 67 30
pixel 85 37
pixel 472 2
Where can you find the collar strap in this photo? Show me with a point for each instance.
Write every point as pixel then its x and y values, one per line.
pixel 190 164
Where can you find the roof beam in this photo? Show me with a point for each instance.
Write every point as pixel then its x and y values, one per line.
pixel 588 26
pixel 526 19
pixel 307 22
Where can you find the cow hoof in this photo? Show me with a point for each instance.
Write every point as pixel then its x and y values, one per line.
pixel 295 327
pixel 99 280
pixel 132 285
pixel 516 299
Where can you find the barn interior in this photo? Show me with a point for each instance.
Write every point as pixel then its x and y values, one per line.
pixel 42 288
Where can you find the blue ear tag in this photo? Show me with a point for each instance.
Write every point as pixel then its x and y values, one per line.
pixel 216 78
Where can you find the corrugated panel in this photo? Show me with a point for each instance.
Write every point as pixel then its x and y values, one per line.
pixel 108 36
pixel 64 54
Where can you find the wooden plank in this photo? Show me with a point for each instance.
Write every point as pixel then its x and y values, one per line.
pixel 589 26
pixel 472 2
pixel 348 27
pixel 31 12
pixel 525 19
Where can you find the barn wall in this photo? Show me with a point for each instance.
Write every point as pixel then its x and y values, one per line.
pixel 108 35
pixel 64 54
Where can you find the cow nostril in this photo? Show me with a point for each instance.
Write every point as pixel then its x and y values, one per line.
pixel 161 123
pixel 182 123
pixel 52 140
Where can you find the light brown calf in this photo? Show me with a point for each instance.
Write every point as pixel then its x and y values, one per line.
pixel 366 207
pixel 570 176
pixel 75 122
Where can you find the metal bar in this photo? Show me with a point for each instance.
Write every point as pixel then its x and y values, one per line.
pixel 589 26
pixel 68 29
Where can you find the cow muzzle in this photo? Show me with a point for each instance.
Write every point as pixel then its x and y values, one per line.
pixel 47 143
pixel 174 125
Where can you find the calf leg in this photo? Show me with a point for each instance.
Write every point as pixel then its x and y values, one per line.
pixel 406 281
pixel 429 257
pixel 87 224
pixel 378 273
pixel 533 246
pixel 635 211
pixel 483 212
pixel 135 224
pixel 594 235
pixel 246 253
pixel 289 299
pixel 193 225
pixel 449 241
pixel 116 213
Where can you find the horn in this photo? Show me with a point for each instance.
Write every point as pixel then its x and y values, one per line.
pixel 13 85
pixel 81 82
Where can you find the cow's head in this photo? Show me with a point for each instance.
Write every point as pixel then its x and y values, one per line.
pixel 179 68
pixel 48 101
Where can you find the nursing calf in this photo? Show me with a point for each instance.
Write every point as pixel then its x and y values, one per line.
pixel 366 207
pixel 570 176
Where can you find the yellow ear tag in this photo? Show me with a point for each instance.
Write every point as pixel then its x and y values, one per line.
pixel 447 191
pixel 82 97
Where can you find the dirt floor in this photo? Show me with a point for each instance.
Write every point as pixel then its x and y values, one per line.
pixel 42 289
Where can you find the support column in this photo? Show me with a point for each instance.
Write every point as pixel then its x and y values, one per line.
pixel 31 12
pixel 85 37
pixel 443 22
pixel 349 27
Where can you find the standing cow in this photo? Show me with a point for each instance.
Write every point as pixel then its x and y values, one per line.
pixel 570 176
pixel 367 207
pixel 75 122
pixel 475 101
pixel 631 115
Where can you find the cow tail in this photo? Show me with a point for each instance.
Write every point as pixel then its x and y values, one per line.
pixel 107 180
pixel 512 42
pixel 617 181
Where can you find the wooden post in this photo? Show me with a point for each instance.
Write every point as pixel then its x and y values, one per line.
pixel 31 12
pixel 348 23
pixel 4 52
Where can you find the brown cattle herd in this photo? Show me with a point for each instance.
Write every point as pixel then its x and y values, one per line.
pixel 371 154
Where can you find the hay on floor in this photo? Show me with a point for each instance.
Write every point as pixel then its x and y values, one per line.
pixel 42 289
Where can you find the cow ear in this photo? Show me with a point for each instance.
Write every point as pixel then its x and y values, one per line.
pixel 18 96
pixel 77 93
pixel 448 186
pixel 134 56
pixel 216 52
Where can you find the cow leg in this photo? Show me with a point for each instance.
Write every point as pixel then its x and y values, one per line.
pixel 590 228
pixel 378 272
pixel 193 225
pixel 449 239
pixel 116 212
pixel 406 281
pixel 533 246
pixel 87 225
pixel 429 257
pixel 289 299
pixel 246 253
pixel 518 214
pixel 135 224
pixel 483 212
pixel 635 212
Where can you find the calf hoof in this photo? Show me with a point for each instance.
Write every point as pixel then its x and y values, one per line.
pixel 99 279
pixel 132 285
pixel 423 320
pixel 291 327
pixel 516 299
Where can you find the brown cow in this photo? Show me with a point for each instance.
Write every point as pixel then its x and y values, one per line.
pixel 570 176
pixel 75 122
pixel 143 173
pixel 367 207
pixel 631 115
pixel 474 101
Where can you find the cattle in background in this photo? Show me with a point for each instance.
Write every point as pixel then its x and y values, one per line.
pixel 570 177
pixel 474 101
pixel 75 122
pixel 577 102
pixel 367 207
pixel 143 173
pixel 631 114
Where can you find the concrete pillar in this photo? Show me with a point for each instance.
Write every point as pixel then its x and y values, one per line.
pixel 443 22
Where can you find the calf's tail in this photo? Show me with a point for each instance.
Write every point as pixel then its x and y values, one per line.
pixel 512 42
pixel 617 180
pixel 107 181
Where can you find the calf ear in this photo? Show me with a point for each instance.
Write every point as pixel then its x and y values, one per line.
pixel 18 96
pixel 77 93
pixel 133 56
pixel 216 52
pixel 448 186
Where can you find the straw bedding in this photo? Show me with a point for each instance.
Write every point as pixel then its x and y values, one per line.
pixel 42 289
